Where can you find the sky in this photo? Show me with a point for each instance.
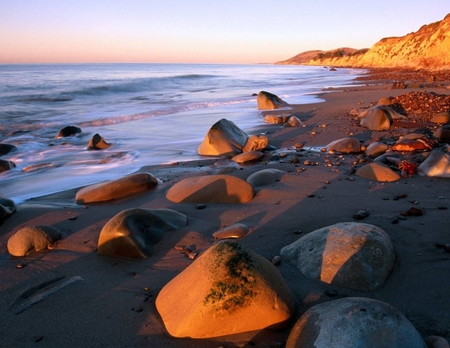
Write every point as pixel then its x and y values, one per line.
pixel 200 31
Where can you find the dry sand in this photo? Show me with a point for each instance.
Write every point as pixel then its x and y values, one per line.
pixel 113 304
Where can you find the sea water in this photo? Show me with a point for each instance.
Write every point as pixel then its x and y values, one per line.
pixel 150 113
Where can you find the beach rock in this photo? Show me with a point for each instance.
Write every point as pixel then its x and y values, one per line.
pixel 348 254
pixel 132 233
pixel 227 290
pixel 220 188
pixel 269 101
pixel 377 171
pixel 276 119
pixel 354 322
pixel 246 157
pixel 265 177
pixel 345 145
pixel 127 186
pixel 441 117
pixel 442 134
pixel 293 122
pixel 68 131
pixel 437 163
pixel 379 117
pixel 436 342
pixel 7 208
pixel 256 143
pixel 97 143
pixel 6 148
pixel 236 230
pixel 376 149
pixel 30 239
pixel 412 142
pixel 6 165
pixel 223 138
pixel 384 101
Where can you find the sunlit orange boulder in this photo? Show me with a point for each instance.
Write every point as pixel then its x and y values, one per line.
pixel 255 143
pixel 97 143
pixel 269 101
pixel 127 186
pixel 378 171
pixel 33 238
pixel 437 163
pixel 221 188
pixel 345 145
pixel 227 290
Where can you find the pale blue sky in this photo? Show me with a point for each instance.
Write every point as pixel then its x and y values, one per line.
pixel 202 31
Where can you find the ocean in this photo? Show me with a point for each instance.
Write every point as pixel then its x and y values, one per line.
pixel 150 113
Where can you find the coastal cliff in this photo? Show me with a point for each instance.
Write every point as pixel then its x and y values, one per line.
pixel 426 48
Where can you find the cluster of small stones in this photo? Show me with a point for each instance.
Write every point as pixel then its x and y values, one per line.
pixel 421 105
pixel 414 76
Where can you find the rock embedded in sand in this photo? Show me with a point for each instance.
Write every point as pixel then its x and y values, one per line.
pixel 236 230
pixel 412 142
pixel 442 134
pixel 379 117
pixel 255 143
pixel 347 254
pixel 376 149
pixel 127 186
pixel 7 208
pixel 68 131
pixel 345 145
pixel 97 143
pixel 219 188
pixel 269 101
pixel 265 177
pixel 293 122
pixel 354 322
pixel 132 233
pixel 246 157
pixel 33 238
pixel 441 117
pixel 220 293
pixel 437 163
pixel 223 138
pixel 377 171
pixel 276 119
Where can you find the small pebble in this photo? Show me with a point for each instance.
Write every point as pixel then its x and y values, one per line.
pixel 331 293
pixel 415 211
pixel 361 214
pixel 193 255
pixel 200 206
pixel 20 265
pixel 395 221
pixel 276 260
pixel 180 247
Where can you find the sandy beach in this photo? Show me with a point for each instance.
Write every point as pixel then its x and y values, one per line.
pixel 112 305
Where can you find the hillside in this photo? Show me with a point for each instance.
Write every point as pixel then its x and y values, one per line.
pixel 427 48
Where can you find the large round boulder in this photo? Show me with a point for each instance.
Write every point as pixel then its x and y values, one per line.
pixel 376 149
pixel 221 188
pixel 345 145
pixel 377 171
pixel 269 101
pixel 354 322
pixel 227 290
pixel 348 254
pixel 132 233
pixel 223 138
pixel 127 186
pixel 33 238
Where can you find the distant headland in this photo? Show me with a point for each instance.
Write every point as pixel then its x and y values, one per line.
pixel 426 48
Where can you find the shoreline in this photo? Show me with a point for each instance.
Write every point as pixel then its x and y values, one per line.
pixel 101 309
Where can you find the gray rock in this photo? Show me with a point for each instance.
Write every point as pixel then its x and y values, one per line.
pixel 6 148
pixel 345 145
pixel 348 254
pixel 265 177
pixel 97 143
pixel 379 117
pixel 68 131
pixel 437 163
pixel 354 322
pixel 132 233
